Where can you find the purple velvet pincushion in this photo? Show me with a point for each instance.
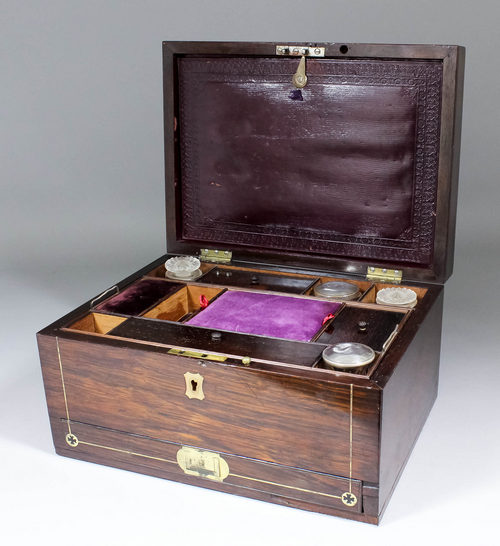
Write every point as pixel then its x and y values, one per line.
pixel 266 315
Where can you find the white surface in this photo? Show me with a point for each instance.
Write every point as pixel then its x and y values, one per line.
pixel 82 206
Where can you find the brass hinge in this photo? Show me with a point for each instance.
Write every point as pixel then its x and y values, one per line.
pixel 216 256
pixel 380 274
pixel 300 51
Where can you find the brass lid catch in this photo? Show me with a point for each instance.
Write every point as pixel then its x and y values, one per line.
pixel 300 78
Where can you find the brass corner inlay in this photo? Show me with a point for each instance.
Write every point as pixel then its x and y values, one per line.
pixel 194 385
pixel 205 464
pixel 71 440
pixel 349 499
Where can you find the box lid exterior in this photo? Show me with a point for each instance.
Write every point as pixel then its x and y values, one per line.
pixel 358 168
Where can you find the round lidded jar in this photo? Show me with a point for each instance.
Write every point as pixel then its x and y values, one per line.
pixel 347 355
pixel 402 297
pixel 184 268
pixel 337 290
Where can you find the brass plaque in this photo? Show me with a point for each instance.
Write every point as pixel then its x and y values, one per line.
pixel 204 464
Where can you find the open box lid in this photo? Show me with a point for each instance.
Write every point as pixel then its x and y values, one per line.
pixel 357 168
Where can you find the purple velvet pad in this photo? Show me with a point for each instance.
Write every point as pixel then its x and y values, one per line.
pixel 139 296
pixel 266 315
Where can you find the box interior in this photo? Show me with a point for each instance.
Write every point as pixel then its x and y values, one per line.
pixel 276 319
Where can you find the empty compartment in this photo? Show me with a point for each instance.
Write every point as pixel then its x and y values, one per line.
pixel 184 303
pixel 371 327
pixel 97 323
pixel 261 280
pixel 283 317
pixel 138 297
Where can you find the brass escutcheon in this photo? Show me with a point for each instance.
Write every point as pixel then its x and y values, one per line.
pixel 194 385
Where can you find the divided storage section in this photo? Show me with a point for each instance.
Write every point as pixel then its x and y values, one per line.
pixel 267 324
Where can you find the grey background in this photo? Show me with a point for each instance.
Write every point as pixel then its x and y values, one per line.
pixel 82 206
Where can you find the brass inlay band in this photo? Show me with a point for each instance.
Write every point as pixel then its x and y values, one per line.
pixel 350 437
pixel 63 385
pixel 287 486
pixel 129 452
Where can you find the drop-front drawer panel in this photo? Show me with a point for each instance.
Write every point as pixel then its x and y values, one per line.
pixel 314 425
pixel 205 468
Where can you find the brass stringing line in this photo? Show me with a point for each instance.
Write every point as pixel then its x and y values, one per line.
pixel 233 475
pixel 63 385
pixel 129 452
pixel 350 439
pixel 287 486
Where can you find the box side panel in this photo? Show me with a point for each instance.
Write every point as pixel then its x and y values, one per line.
pixel 407 399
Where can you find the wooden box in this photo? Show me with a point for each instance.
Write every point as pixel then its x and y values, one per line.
pixel 278 187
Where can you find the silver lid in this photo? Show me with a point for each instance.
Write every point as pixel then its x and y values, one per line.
pixel 348 355
pixel 337 290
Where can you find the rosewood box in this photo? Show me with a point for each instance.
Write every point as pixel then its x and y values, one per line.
pixel 287 166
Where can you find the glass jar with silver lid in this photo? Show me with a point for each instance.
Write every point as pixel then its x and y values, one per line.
pixel 347 355
pixel 183 268
pixel 399 296
pixel 337 290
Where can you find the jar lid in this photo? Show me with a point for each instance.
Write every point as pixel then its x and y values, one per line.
pixel 403 297
pixel 339 290
pixel 348 355
pixel 183 268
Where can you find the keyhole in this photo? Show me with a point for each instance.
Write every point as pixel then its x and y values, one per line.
pixel 194 385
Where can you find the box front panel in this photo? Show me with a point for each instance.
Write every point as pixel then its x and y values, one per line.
pixel 318 426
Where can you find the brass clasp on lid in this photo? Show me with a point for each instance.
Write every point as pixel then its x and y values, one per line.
pixel 300 78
